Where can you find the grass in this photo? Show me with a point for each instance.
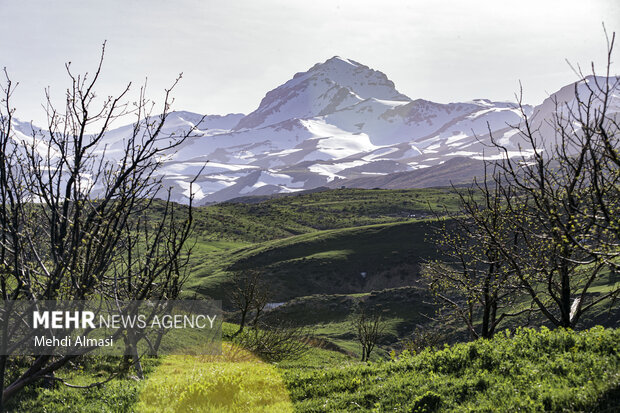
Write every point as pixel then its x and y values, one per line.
pixel 316 359
pixel 329 316
pixel 294 215
pixel 305 242
pixel 533 371
pixel 233 382
pixel 348 260
pixel 528 371
pixel 117 396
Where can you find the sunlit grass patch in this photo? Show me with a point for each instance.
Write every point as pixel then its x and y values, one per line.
pixel 233 382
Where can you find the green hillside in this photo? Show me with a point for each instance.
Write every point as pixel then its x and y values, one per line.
pixel 329 242
pixel 251 221
pixel 324 256
pixel 330 268
pixel 349 260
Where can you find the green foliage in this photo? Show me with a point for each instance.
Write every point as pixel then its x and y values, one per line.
pixel 428 402
pixel 529 371
pixel 116 396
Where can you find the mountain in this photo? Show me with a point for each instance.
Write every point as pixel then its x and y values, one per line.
pixel 336 84
pixel 454 171
pixel 341 123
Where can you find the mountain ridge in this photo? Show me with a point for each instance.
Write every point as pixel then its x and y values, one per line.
pixel 340 123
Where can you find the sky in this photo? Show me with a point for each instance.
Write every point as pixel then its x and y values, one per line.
pixel 232 53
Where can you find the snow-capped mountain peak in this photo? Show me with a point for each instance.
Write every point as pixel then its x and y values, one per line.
pixel 326 87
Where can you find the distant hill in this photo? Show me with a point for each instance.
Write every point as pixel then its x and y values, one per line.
pixel 333 241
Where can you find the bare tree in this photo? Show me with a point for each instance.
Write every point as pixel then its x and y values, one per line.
pixel 591 127
pixel 269 338
pixel 249 295
pixel 546 224
pixel 72 223
pixel 472 281
pixel 276 341
pixel 369 328
pixel 563 201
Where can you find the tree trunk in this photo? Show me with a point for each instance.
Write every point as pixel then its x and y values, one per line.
pixel 133 349
pixel 2 373
pixel 486 299
pixel 565 299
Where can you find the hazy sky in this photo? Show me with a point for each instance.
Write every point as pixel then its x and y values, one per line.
pixel 233 52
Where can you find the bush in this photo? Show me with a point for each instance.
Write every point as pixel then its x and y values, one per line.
pixel 274 342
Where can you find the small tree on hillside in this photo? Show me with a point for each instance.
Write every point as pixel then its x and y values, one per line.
pixel 275 340
pixel 249 295
pixel 472 281
pixel 368 328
